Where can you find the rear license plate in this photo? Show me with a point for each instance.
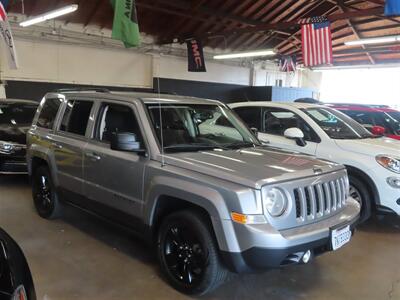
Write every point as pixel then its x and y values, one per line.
pixel 340 237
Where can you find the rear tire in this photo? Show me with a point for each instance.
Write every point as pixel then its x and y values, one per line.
pixel 44 194
pixel 188 254
pixel 359 191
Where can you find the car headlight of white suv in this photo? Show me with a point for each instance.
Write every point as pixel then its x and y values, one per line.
pixel 389 162
pixel 275 201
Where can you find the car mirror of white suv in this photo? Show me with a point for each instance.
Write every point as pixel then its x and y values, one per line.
pixel 295 134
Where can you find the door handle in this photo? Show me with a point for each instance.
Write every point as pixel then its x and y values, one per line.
pixel 93 156
pixel 57 146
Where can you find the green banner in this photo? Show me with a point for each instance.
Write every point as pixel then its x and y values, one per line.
pixel 125 26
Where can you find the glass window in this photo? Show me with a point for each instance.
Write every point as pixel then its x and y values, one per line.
pixel 191 127
pixel 115 118
pixel 336 124
pixel 48 113
pixel 17 114
pixel 76 117
pixel 277 121
pixel 250 115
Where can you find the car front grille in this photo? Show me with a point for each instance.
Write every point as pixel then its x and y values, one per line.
pixel 320 200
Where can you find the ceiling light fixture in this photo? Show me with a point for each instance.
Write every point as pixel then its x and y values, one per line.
pixel 378 40
pixel 50 15
pixel 268 52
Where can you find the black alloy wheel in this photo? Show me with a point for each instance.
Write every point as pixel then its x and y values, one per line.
pixel 188 254
pixel 44 195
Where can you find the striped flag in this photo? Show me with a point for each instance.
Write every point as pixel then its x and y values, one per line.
pixel 287 64
pixel 5 31
pixel 316 39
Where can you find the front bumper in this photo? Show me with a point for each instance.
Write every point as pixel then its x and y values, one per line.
pixel 13 164
pixel 272 249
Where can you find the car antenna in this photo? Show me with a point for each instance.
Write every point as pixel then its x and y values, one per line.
pixel 161 123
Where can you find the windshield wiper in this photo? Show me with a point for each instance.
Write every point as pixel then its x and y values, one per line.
pixel 190 147
pixel 239 145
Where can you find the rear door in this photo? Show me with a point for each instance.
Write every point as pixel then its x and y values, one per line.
pixel 275 121
pixel 114 179
pixel 69 142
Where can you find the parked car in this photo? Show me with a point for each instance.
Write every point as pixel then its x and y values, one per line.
pixel 378 119
pixel 210 201
pixel 15 119
pixel 15 276
pixel 373 162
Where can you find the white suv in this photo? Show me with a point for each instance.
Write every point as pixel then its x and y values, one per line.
pixel 373 162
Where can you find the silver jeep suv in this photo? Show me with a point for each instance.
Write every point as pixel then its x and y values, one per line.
pixel 209 195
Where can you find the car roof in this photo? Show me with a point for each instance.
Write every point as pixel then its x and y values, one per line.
pixel 17 101
pixel 298 105
pixel 147 98
pixel 360 107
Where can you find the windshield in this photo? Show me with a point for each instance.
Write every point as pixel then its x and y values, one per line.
pixel 389 120
pixel 337 125
pixel 192 127
pixel 17 113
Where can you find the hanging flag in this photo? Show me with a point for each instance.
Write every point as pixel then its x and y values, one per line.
pixel 316 41
pixel 5 30
pixel 196 62
pixel 392 8
pixel 287 64
pixel 5 3
pixel 125 25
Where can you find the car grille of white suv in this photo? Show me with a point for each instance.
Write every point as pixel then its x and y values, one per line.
pixel 319 200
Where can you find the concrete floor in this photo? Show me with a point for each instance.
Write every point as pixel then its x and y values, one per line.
pixel 81 257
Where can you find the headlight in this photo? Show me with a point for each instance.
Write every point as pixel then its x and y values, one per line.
pixel 6 147
pixel 275 202
pixel 389 162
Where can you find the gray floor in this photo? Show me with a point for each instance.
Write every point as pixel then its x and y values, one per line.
pixel 80 257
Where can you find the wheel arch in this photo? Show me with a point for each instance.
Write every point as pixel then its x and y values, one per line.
pixel 370 184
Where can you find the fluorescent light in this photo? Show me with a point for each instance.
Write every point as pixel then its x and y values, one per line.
pixel 50 15
pixel 245 54
pixel 378 40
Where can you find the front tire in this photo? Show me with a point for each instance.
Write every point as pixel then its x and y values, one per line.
pixel 360 193
pixel 188 254
pixel 44 194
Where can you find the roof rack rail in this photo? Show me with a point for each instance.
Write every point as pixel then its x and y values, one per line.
pixel 71 90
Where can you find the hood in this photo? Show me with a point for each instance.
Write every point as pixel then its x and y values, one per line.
pixel 252 167
pixel 371 147
pixel 15 134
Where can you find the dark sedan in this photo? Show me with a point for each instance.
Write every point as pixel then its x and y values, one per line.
pixel 15 276
pixel 15 120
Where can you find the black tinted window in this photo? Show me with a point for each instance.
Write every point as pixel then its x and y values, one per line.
pixel 250 115
pixel 76 117
pixel 116 118
pixel 48 113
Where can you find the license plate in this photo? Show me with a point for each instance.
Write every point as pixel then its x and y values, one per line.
pixel 340 237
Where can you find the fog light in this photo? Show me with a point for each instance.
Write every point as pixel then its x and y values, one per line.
pixel 394 182
pixel 306 257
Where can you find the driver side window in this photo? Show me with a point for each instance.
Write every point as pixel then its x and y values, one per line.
pixel 116 118
pixel 277 121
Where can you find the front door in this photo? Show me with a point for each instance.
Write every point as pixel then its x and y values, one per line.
pixel 114 179
pixel 275 123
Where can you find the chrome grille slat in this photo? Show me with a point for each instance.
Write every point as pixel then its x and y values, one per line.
pixel 320 199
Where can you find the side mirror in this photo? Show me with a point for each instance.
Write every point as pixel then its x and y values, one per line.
pixel 378 130
pixel 295 134
pixel 254 131
pixel 125 141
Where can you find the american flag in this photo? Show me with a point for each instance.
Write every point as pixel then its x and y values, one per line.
pixel 316 41
pixel 287 64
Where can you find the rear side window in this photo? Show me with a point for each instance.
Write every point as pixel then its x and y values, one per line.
pixel 76 117
pixel 48 113
pixel 250 115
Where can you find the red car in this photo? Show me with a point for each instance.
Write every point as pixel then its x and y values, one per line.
pixel 379 119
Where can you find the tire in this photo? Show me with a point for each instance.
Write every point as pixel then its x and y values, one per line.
pixel 44 194
pixel 188 234
pixel 359 191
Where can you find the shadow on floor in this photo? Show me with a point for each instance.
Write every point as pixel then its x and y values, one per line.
pixel 382 224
